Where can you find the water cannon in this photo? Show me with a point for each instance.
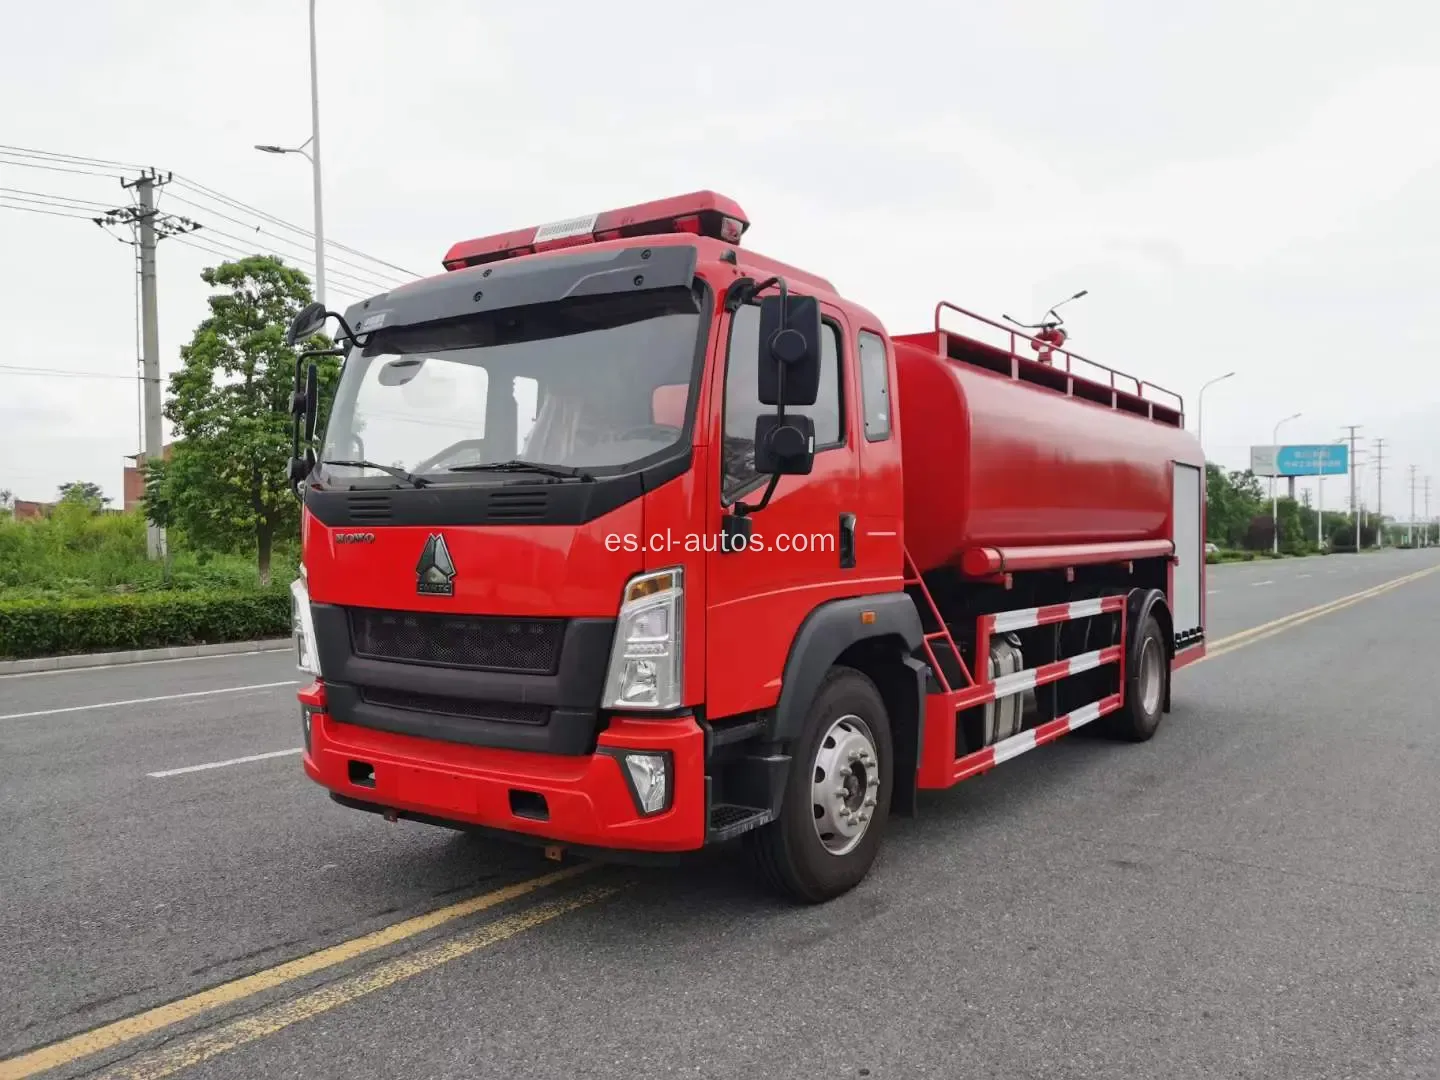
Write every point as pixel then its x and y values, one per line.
pixel 701 213
pixel 1050 336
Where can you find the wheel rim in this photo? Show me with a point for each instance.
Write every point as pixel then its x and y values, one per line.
pixel 1151 676
pixel 844 784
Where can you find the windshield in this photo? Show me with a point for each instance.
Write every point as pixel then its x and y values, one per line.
pixel 596 384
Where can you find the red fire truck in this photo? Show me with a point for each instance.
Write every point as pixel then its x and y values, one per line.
pixel 624 539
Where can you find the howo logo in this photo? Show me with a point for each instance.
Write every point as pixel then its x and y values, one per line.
pixel 355 538
pixel 435 572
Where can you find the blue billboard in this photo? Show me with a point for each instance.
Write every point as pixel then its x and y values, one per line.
pixel 1314 459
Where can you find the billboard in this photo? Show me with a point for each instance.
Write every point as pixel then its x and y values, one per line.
pixel 1310 459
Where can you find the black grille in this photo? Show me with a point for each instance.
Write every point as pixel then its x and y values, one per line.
pixel 490 642
pixel 369 507
pixel 499 712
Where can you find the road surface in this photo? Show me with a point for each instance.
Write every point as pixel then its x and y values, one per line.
pixel 1253 893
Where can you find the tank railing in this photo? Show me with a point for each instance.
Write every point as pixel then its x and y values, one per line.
pixel 1015 336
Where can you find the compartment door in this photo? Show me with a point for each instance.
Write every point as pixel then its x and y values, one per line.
pixel 1189 570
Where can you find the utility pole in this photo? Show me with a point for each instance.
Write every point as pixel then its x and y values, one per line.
pixel 1412 507
pixel 1380 489
pixel 1427 512
pixel 149 227
pixel 1354 468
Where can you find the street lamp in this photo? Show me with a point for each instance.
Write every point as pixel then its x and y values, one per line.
pixel 313 156
pixel 1200 408
pixel 1274 487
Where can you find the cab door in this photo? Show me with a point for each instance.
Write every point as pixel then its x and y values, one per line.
pixel 802 549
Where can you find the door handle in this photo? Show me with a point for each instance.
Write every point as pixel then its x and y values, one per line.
pixel 847 541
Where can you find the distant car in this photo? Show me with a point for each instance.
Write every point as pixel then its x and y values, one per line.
pixel 1211 549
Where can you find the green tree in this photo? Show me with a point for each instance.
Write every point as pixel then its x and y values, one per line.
pixel 83 493
pixel 230 402
pixel 1233 500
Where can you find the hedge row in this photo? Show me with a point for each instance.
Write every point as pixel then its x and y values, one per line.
pixel 139 621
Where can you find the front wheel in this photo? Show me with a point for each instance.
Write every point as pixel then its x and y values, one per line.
pixel 837 796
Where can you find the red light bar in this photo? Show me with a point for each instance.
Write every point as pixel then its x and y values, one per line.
pixel 701 213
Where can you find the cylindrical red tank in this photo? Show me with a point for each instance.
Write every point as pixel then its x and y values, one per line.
pixel 991 461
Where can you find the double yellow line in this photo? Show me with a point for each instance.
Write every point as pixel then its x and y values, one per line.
pixel 172 1058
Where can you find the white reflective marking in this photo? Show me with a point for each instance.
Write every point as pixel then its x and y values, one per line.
pixel 1014 746
pixel 1014 683
pixel 223 764
pixel 1083 715
pixel 1257 584
pixel 147 700
pixel 1080 609
pixel 1016 620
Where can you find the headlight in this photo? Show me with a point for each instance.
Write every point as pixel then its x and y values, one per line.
pixel 303 629
pixel 646 662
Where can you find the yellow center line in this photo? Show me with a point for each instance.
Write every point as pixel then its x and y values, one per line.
pixel 163 1016
pixel 171 1059
pixel 1239 640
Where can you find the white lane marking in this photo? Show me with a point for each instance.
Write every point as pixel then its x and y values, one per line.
pixel 223 764
pixel 1211 592
pixel 1302 575
pixel 238 655
pixel 148 700
pixel 1257 584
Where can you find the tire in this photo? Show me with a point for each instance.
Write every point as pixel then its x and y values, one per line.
pixel 1147 674
pixel 847 718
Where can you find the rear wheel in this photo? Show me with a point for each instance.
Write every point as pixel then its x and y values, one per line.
pixel 1147 671
pixel 837 796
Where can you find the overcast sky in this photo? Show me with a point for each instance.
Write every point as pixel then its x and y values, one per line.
pixel 1241 185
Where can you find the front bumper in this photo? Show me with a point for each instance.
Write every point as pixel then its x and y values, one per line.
pixel 585 800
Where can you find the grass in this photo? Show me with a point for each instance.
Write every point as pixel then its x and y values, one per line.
pixel 74 554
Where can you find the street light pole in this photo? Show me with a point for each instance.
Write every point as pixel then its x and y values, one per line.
pixel 1275 488
pixel 313 156
pixel 315 162
pixel 1200 408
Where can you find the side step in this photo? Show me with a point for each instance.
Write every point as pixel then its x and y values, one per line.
pixel 727 821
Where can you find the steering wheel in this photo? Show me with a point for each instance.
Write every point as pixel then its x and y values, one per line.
pixel 450 451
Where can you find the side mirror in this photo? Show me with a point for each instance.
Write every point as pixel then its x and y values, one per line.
pixel 312 401
pixel 789 350
pixel 301 467
pixel 310 319
pixel 784 445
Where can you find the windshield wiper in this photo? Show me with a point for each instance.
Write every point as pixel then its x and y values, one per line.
pixel 399 474
pixel 563 472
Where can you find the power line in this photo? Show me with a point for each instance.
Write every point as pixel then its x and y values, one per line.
pixel 246 208
pixel 24 195
pixel 205 241
pixel 14 369
pixel 28 151
pixel 51 213
pixel 279 240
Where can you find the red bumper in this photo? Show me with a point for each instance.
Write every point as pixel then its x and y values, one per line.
pixel 587 800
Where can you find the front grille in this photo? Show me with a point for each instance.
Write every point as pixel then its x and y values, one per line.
pixel 497 711
pixel 489 642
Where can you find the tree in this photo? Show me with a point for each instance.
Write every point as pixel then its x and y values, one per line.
pixel 83 493
pixel 7 501
pixel 1232 503
pixel 230 404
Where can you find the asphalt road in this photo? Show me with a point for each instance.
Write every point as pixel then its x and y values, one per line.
pixel 1253 893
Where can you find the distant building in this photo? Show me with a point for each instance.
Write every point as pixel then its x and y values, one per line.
pixel 135 477
pixel 25 510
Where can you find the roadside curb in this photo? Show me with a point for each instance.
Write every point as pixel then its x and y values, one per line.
pixel 138 656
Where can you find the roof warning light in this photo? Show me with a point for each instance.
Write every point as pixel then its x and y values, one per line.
pixel 701 213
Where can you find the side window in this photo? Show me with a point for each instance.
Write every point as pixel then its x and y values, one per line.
pixel 742 402
pixel 875 386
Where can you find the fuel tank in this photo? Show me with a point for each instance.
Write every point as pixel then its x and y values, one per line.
pixel 992 460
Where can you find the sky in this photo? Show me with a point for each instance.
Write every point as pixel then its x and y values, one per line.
pixel 1243 185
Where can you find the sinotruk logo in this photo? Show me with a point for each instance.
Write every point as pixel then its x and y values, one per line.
pixel 435 572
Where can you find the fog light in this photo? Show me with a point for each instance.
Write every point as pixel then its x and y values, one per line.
pixel 649 781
